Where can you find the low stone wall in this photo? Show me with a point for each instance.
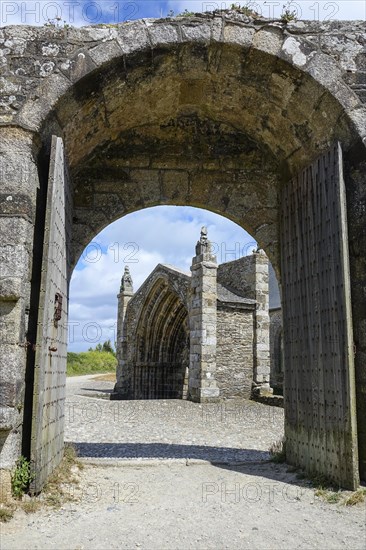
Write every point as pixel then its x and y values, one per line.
pixel 273 400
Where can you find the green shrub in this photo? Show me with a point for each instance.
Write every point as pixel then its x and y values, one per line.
pixel 21 477
pixel 288 14
pixel 90 362
pixel 245 9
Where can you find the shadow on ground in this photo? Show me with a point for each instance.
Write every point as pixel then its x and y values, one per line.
pixel 246 461
pixel 170 451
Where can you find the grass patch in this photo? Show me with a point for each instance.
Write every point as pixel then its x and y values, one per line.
pixel 288 14
pixel 60 488
pixel 6 512
pixel 333 496
pixel 32 505
pixel 90 362
pixel 329 495
pixel 326 489
pixel 322 481
pixel 357 497
pixel 278 451
pixel 186 13
pixel 62 482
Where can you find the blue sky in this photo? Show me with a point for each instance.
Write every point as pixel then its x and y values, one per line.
pixel 89 12
pixel 163 234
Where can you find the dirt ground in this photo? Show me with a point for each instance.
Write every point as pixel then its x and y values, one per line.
pixel 149 483
pixel 199 506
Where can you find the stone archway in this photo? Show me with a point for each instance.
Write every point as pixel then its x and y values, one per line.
pixel 218 111
pixel 159 367
pixel 155 324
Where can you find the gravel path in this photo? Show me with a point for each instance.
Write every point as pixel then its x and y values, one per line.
pixel 170 496
pixel 224 432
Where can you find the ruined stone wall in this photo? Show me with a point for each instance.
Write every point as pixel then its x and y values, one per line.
pixel 234 356
pixel 42 65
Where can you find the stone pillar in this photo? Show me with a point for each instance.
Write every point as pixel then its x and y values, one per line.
pixel 261 345
pixel 122 387
pixel 202 386
pixel 18 191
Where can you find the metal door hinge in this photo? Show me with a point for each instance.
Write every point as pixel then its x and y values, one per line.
pixel 26 344
pixel 58 309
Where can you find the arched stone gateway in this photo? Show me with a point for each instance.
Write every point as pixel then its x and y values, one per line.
pixel 152 337
pixel 219 111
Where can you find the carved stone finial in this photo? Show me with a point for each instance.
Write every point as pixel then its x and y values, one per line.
pixel 204 233
pixel 203 246
pixel 126 281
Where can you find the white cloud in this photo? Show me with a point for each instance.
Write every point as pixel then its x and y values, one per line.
pixel 165 234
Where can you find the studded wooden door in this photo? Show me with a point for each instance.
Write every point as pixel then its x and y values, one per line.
pixel 320 408
pixel 47 437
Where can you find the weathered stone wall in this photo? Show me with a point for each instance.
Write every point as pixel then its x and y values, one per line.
pixel 239 274
pixel 31 56
pixel 234 355
pixel 275 339
pixel 250 276
pixel 18 188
